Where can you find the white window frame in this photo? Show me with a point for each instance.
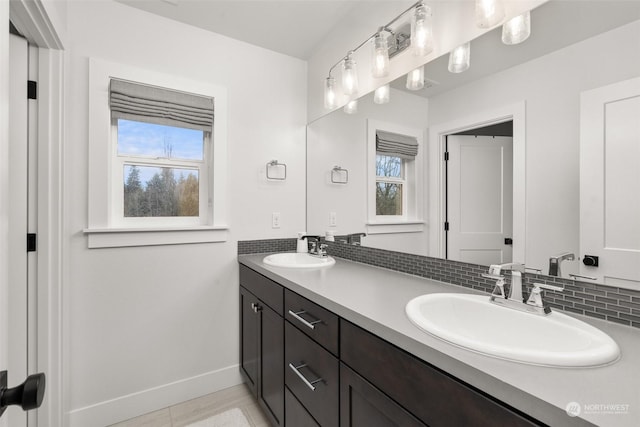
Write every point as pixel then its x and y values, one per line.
pixel 413 176
pixel 107 226
pixel 402 180
pixel 117 196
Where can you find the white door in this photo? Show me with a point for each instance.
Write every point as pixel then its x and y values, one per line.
pixel 480 199
pixel 610 182
pixel 17 236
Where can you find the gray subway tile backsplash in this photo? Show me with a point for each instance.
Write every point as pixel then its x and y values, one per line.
pixel 598 301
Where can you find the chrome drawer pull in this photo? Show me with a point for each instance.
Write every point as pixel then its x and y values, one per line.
pixel 310 325
pixel 310 384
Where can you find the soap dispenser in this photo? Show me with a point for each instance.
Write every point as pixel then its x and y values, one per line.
pixel 302 247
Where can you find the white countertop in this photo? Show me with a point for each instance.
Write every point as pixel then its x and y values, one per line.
pixel 375 298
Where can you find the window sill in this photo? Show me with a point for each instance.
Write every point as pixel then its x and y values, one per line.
pixel 395 227
pixel 126 237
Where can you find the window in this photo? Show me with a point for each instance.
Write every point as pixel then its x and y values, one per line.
pixel 390 181
pixel 154 150
pixel 160 173
pixel 395 178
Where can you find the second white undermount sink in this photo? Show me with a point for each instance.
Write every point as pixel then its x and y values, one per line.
pixel 474 323
pixel 298 260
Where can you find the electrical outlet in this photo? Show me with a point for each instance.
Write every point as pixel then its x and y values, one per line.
pixel 275 220
pixel 332 219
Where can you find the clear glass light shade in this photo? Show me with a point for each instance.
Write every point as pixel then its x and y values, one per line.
pixel 380 56
pixel 516 30
pixel 349 77
pixel 351 107
pixel 489 13
pixel 330 93
pixel 460 58
pixel 421 31
pixel 381 95
pixel 415 79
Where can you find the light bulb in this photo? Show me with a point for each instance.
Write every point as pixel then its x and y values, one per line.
pixel 349 76
pixel 516 30
pixel 415 79
pixel 460 58
pixel 330 93
pixel 380 57
pixel 421 31
pixel 489 13
pixel 351 107
pixel 381 95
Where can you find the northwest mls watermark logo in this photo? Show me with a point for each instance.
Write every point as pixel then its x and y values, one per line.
pixel 574 409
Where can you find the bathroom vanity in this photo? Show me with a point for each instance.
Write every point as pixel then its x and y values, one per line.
pixel 333 347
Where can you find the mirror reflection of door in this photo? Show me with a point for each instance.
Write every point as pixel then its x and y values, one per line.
pixel 479 195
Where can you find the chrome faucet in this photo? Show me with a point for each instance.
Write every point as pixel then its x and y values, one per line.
pixel 534 304
pixel 554 263
pixel 317 248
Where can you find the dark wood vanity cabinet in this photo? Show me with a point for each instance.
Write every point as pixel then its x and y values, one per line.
pixel 310 368
pixel 262 342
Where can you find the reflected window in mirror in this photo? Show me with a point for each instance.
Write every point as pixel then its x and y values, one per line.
pixel 390 181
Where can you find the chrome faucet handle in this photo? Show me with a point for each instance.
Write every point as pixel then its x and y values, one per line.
pixel 535 297
pixel 498 290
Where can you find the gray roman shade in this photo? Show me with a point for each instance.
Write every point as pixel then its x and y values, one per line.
pixel 152 104
pixel 395 144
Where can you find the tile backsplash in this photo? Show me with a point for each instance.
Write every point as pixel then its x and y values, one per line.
pixel 600 301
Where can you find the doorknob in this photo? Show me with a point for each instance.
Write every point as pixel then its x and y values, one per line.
pixel 28 395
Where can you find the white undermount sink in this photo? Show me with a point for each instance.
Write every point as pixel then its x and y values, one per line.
pixel 474 323
pixel 298 260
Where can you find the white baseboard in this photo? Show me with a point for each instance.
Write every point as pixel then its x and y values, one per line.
pixel 153 399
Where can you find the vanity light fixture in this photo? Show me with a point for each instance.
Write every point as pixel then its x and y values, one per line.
pixel 380 55
pixel 415 79
pixel 330 93
pixel 516 30
pixel 421 31
pixel 351 107
pixel 349 76
pixel 459 58
pixel 489 13
pixel 381 95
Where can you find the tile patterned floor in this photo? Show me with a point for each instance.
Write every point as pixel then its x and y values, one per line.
pixel 202 408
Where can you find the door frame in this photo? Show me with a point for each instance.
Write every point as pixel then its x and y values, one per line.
pixel 437 178
pixel 31 18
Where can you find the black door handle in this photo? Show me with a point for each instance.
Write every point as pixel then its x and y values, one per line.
pixel 28 395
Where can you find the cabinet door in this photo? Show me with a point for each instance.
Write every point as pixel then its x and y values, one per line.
pixel 271 386
pixel 249 333
pixel 363 405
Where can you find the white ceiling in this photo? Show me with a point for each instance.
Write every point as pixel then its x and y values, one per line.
pixel 291 27
pixel 298 27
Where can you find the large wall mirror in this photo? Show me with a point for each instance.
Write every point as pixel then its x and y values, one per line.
pixel 513 125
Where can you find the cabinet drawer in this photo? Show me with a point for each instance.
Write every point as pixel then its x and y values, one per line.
pixel 295 414
pixel 316 322
pixel 312 374
pixel 267 290
pixel 434 397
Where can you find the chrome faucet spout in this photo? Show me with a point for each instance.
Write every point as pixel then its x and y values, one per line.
pixel 554 263
pixel 517 273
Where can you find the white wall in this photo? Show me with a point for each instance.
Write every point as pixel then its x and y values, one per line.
pixel 551 87
pixel 146 327
pixel 341 139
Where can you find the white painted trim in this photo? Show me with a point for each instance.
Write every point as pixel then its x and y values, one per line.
pixel 437 133
pixel 50 231
pixel 125 407
pixel 414 177
pixel 127 237
pixel 100 159
pixel 395 227
pixel 31 18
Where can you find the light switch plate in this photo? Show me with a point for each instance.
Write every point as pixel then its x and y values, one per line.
pixel 275 220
